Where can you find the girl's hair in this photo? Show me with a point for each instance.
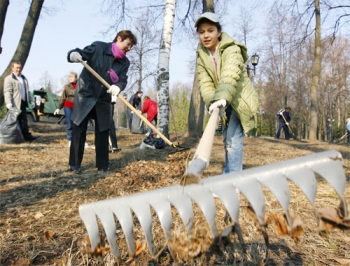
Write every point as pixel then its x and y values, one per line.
pixel 139 92
pixel 203 20
pixel 126 34
pixel 73 74
pixel 146 98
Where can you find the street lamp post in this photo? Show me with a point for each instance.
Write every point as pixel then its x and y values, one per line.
pixel 254 59
pixel 330 121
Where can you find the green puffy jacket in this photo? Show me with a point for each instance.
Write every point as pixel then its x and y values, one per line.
pixel 234 84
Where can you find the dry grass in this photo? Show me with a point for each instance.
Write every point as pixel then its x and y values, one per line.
pixel 39 204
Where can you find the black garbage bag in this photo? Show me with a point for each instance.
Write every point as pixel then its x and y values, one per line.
pixel 152 143
pixel 137 126
pixel 10 131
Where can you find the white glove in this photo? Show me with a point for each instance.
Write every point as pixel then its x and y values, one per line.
pixel 9 106
pixel 56 112
pixel 114 90
pixel 75 57
pixel 287 123
pixel 281 113
pixel 218 104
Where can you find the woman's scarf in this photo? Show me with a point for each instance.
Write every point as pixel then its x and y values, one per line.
pixel 118 54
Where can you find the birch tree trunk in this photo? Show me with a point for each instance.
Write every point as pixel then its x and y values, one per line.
pixel 316 69
pixel 23 48
pixel 163 68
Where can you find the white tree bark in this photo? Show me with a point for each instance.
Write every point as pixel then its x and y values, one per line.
pixel 163 68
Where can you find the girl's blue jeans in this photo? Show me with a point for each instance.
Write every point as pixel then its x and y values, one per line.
pixel 233 141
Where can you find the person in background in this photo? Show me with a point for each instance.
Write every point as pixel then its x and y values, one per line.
pixel 112 134
pixel 67 103
pixel 284 117
pixel 348 128
pixel 150 107
pixel 135 101
pixel 224 84
pixel 93 100
pixel 16 95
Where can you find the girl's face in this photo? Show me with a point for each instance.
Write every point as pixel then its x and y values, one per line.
pixel 72 79
pixel 125 45
pixel 209 36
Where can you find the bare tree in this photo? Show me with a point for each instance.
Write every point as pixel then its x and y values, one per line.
pixel 25 42
pixel 334 93
pixel 311 10
pixel 316 70
pixel 342 9
pixel 3 10
pixel 244 24
pixel 142 65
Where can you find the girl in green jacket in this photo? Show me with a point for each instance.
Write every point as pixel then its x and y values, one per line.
pixel 224 84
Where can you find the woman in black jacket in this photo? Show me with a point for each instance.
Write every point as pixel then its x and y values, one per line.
pixel 92 100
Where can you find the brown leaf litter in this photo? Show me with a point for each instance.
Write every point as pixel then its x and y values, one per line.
pixel 40 199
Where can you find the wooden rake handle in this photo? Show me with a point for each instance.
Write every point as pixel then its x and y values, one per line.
pixel 201 158
pixel 285 120
pixel 144 119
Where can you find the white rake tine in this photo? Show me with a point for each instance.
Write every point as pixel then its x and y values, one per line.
pixel 142 211
pixel 305 179
pixel 122 211
pixel 183 204
pixel 328 164
pixel 202 196
pixel 107 219
pixel 251 189
pixel 278 185
pixel 229 198
pixel 332 171
pixel 87 214
pixel 163 210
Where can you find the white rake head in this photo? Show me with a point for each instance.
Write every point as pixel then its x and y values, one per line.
pixel 301 171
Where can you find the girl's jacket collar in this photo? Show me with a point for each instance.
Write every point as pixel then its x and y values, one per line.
pixel 226 41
